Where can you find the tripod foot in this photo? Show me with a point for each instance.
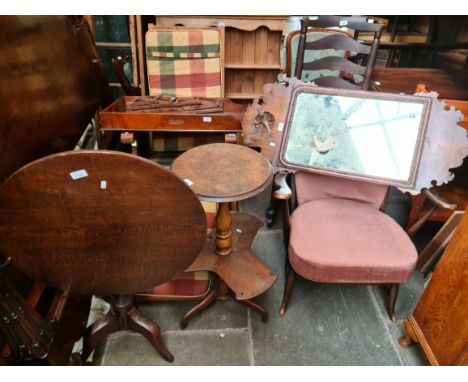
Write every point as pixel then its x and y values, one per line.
pixel 203 304
pixel 151 331
pixel 257 308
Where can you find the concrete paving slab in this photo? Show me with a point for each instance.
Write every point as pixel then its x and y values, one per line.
pixel 220 315
pixel 411 356
pixel 208 347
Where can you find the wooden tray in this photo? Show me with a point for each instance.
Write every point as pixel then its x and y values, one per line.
pixel 116 117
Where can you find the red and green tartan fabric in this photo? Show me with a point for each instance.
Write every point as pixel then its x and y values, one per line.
pixel 184 62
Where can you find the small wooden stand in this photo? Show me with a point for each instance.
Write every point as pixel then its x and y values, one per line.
pixel 240 273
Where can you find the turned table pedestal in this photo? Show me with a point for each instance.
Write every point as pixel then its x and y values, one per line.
pixel 225 173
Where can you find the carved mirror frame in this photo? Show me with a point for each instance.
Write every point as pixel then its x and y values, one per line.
pixel 283 164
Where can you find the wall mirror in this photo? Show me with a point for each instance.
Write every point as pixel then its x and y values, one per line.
pixel 356 134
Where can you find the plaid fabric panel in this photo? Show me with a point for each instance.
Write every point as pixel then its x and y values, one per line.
pixel 184 63
pixel 190 284
pixel 182 43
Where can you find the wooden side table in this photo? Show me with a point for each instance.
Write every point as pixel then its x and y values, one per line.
pixel 225 173
pixel 104 223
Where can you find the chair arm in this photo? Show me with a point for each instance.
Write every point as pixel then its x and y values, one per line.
pixel 118 65
pixel 283 191
pixel 438 200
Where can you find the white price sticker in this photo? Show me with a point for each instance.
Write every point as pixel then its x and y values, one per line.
pixel 75 175
pixel 207 119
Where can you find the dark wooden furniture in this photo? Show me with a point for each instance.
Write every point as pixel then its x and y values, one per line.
pixel 416 54
pixel 432 252
pixel 339 41
pixel 449 85
pixel 226 173
pixel 52 83
pixel 439 322
pixel 116 117
pixel 93 232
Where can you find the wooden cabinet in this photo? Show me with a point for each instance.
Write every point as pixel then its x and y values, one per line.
pixel 440 321
pixel 253 50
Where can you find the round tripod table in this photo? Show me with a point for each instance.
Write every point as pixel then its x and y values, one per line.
pixel 225 173
pixel 104 223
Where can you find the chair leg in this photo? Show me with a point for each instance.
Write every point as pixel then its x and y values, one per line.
pixel 290 276
pixel 393 294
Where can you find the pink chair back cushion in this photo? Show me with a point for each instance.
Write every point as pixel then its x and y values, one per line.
pixel 311 187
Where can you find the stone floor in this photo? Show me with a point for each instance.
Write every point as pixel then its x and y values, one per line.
pixel 324 324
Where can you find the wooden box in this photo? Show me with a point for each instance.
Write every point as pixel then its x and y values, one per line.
pixel 116 117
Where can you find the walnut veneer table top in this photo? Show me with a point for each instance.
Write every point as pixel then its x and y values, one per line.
pixel 223 172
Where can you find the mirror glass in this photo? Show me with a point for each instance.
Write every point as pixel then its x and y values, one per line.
pixel 376 137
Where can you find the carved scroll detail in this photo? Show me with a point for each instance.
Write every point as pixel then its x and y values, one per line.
pixel 445 146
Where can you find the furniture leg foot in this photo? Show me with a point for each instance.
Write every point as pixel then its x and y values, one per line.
pixel 150 330
pixel 290 276
pixel 208 300
pixel 75 359
pixel 405 341
pixel 97 332
pixel 257 308
pixel 410 337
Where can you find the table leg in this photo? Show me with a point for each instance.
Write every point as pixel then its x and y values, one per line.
pixel 240 268
pixel 221 292
pixel 223 230
pixel 124 316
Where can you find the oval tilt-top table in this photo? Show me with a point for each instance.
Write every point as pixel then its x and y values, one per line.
pixel 103 223
pixel 225 173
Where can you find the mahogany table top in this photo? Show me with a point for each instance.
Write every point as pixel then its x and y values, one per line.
pixel 125 226
pixel 223 172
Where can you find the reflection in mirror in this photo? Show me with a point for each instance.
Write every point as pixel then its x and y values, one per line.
pixel 369 137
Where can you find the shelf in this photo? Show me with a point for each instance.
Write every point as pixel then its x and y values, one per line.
pixel 253 66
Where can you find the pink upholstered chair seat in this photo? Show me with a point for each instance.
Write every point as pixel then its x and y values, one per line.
pixel 347 241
